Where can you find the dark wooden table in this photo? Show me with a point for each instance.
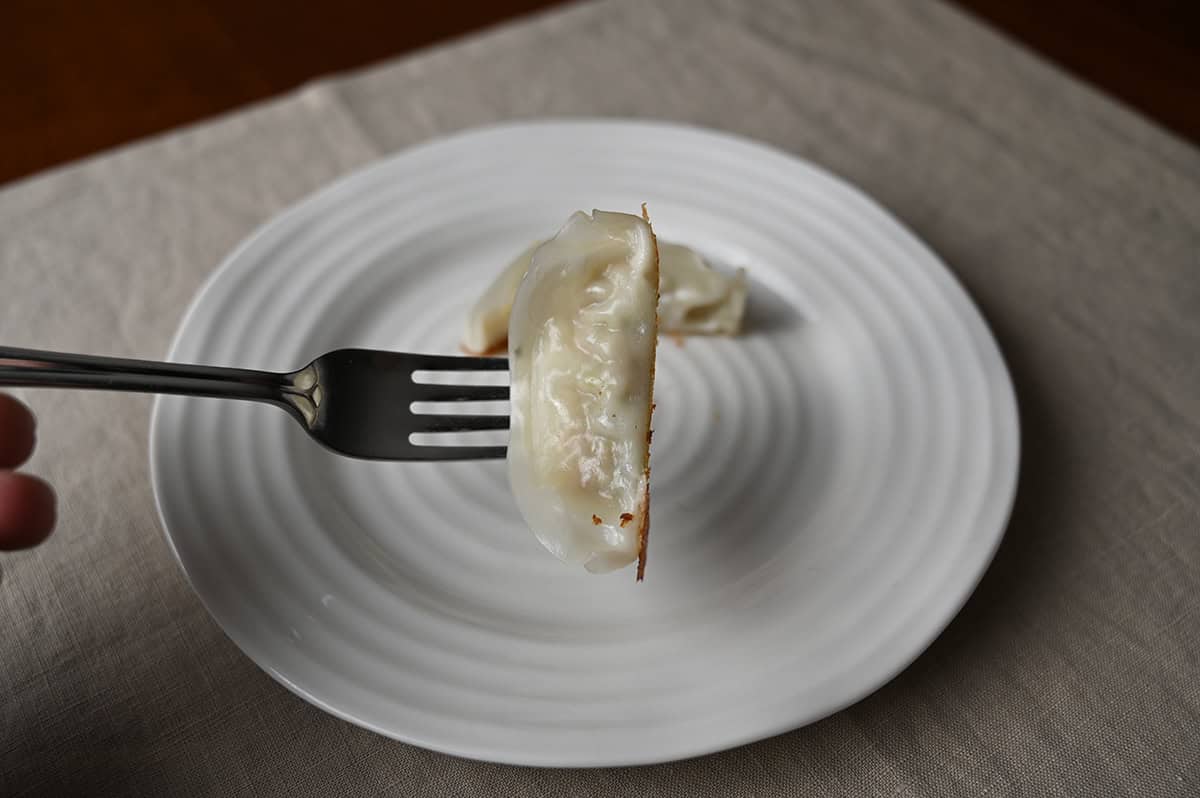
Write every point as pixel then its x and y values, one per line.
pixel 77 78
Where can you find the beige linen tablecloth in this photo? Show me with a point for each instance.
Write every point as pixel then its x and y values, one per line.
pixel 1074 669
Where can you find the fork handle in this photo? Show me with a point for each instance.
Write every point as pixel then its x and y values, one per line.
pixel 33 368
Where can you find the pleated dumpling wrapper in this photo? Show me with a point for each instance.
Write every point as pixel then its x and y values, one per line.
pixel 694 299
pixel 487 325
pixel 581 345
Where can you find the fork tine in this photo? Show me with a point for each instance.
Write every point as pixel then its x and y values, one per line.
pixel 430 392
pixel 451 423
pixel 457 452
pixel 457 363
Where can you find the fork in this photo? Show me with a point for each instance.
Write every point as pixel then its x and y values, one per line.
pixel 356 402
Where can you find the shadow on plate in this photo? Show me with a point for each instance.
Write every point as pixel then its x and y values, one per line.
pixel 1024 569
pixel 767 312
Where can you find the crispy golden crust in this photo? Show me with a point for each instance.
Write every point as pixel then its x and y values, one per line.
pixel 644 531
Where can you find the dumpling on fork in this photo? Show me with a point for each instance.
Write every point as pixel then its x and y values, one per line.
pixel 581 344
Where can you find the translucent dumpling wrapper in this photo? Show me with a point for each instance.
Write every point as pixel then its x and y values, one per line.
pixel 581 343
pixel 487 326
pixel 695 299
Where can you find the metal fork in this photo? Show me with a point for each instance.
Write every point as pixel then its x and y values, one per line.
pixel 357 402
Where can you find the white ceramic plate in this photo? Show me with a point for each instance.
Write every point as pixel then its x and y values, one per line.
pixel 827 489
